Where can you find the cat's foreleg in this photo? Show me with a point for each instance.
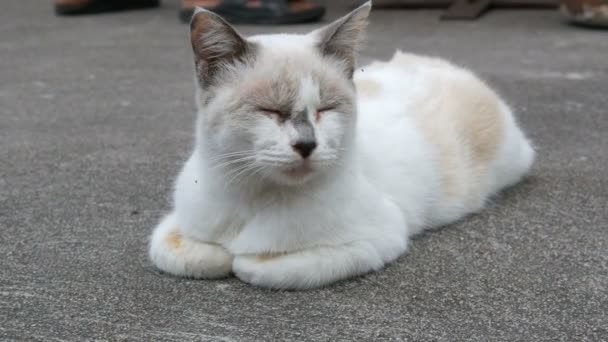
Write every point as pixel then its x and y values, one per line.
pixel 318 266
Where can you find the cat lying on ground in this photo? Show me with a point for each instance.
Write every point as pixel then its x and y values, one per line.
pixel 307 169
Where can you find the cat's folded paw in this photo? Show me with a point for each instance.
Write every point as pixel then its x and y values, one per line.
pixel 176 254
pixel 265 271
pixel 314 267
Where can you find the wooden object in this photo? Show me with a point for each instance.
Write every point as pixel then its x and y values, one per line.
pixel 466 9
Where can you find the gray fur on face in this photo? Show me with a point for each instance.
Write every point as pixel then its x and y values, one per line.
pixel 302 125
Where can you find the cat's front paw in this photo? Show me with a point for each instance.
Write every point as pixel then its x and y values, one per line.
pixel 263 271
pixel 315 267
pixel 295 271
pixel 179 255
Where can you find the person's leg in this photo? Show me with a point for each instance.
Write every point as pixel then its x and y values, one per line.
pixel 76 7
pixel 257 11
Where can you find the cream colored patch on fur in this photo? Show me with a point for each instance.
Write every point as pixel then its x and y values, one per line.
pixel 484 129
pixel 268 256
pixel 461 117
pixel 368 87
pixel 174 240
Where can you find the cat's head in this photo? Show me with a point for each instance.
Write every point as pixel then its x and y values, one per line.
pixel 277 108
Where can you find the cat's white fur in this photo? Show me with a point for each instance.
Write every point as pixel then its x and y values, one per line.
pixel 431 143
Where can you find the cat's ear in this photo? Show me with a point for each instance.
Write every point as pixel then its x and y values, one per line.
pixel 341 39
pixel 216 44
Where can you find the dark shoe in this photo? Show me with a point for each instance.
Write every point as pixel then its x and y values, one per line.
pixel 76 7
pixel 264 12
pixel 592 13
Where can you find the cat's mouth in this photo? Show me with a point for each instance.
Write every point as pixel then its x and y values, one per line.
pixel 302 170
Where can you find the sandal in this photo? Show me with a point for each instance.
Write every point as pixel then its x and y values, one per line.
pixel 76 7
pixel 265 12
pixel 590 13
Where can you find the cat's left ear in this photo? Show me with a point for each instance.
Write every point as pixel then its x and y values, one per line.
pixel 216 45
pixel 341 39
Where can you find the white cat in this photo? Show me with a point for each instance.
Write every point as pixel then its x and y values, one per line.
pixel 305 172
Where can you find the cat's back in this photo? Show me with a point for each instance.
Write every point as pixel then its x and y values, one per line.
pixel 455 111
pixel 449 104
pixel 470 131
pixel 419 85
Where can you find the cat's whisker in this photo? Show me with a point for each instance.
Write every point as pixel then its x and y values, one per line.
pixel 240 176
pixel 239 168
pixel 239 172
pixel 281 158
pixel 255 171
pixel 327 157
pixel 270 154
pixel 277 162
pixel 231 163
pixel 234 153
pixel 231 154
pixel 236 158
pixel 234 161
pixel 326 163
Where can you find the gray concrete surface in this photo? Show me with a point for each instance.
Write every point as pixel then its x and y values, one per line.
pixel 96 116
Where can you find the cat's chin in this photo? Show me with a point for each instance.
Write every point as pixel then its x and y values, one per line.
pixel 295 176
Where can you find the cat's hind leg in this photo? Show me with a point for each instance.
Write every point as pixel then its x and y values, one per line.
pixel 174 253
pixel 316 267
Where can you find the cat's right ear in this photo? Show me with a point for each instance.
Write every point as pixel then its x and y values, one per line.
pixel 340 39
pixel 216 44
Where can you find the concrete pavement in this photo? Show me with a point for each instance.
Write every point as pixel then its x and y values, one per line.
pixel 96 116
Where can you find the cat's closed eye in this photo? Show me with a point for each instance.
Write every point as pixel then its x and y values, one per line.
pixel 323 110
pixel 282 115
pixel 272 112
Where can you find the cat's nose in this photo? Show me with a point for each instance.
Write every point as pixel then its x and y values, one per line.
pixel 304 148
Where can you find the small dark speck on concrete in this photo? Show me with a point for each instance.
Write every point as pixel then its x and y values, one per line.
pixel 134 212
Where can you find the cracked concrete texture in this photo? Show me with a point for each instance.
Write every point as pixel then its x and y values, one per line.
pixel 96 116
